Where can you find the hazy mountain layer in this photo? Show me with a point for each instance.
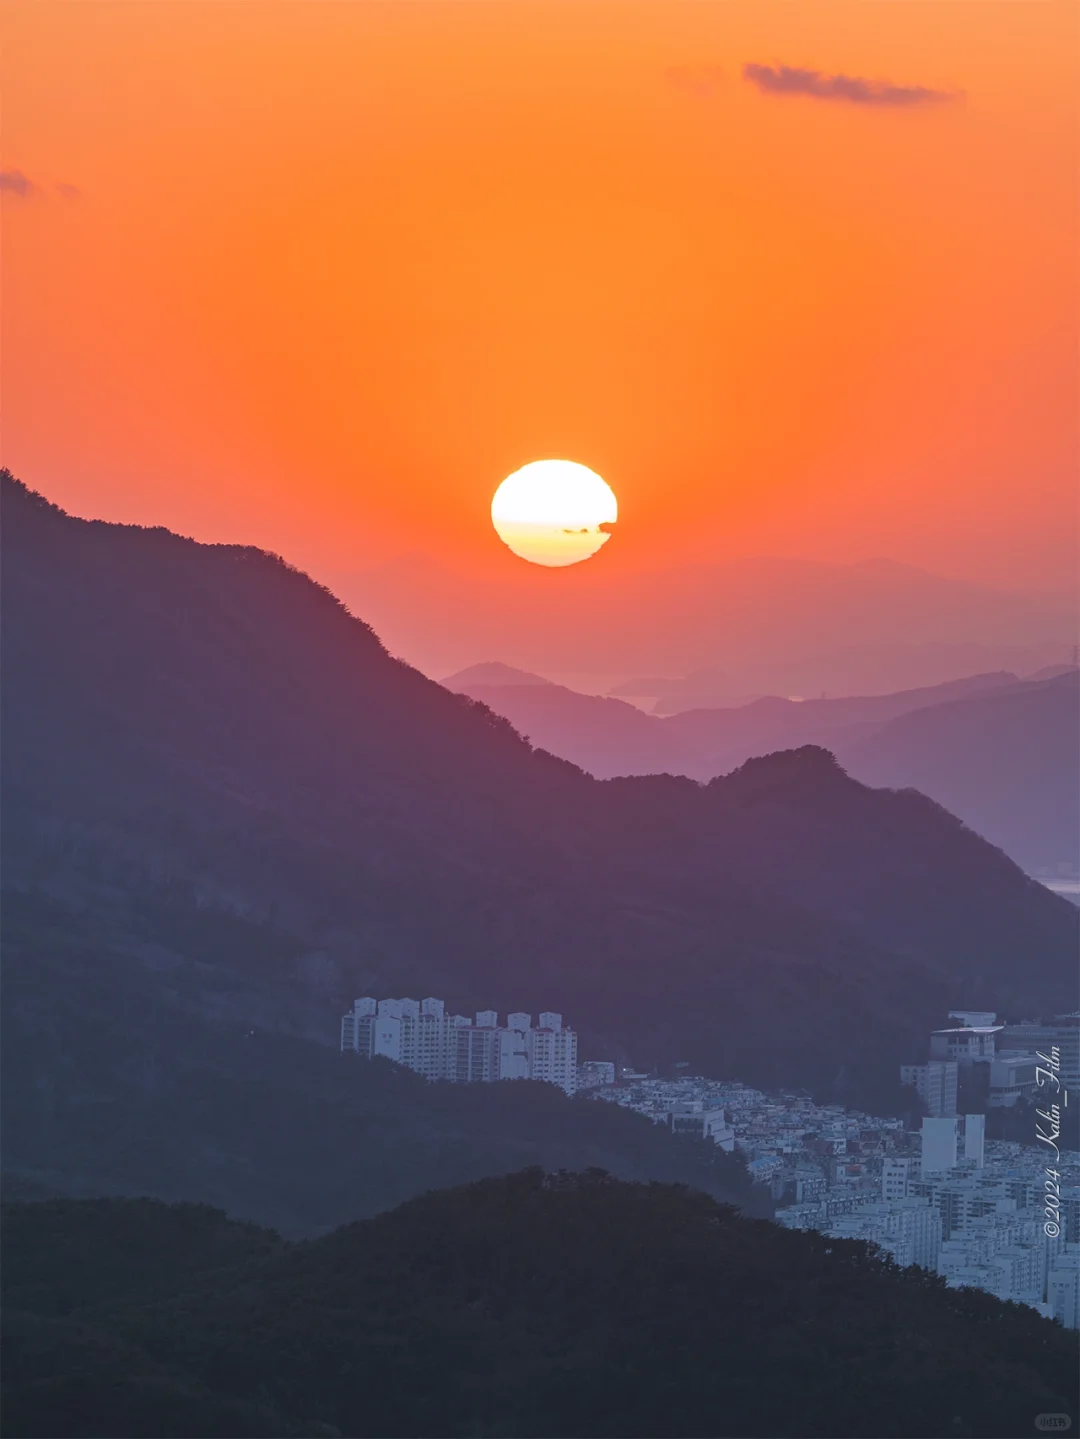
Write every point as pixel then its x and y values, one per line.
pixel 1007 763
pixel 1002 754
pixel 203 728
pixel 761 626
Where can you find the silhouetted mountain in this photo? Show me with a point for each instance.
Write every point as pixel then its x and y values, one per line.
pixel 493 672
pixel 708 689
pixel 199 732
pixel 1007 763
pixel 557 1305
pixel 605 736
pixel 609 737
pixel 1004 755
pixel 1052 672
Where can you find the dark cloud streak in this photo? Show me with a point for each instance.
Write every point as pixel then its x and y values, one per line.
pixel 853 89
pixel 14 182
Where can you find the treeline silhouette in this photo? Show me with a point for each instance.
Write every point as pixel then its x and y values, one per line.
pixel 531 1305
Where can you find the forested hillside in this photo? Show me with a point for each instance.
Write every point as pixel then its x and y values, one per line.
pixel 532 1305
pixel 199 737
pixel 132 1091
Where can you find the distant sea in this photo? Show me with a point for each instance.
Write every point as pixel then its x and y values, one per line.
pixel 1067 888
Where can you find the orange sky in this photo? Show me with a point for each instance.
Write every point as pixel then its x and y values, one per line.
pixel 335 269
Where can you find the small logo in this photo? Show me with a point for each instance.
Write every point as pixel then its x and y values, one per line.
pixel 1053 1423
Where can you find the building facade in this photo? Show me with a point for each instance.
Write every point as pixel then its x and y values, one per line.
pixel 908 1229
pixel 970 1044
pixel 936 1083
pixel 594 1072
pixel 422 1036
pixel 1062 1034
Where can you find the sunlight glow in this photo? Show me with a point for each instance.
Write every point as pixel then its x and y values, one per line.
pixel 554 512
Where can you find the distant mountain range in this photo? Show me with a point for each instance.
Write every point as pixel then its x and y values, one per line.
pixel 738 630
pixel 235 797
pixel 492 673
pixel 1001 753
pixel 934 667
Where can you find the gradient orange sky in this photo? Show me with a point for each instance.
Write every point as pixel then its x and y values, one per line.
pixel 335 269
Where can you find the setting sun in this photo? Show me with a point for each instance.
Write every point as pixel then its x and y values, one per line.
pixel 554 512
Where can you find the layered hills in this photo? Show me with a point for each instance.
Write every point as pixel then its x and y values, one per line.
pixel 1001 753
pixel 199 737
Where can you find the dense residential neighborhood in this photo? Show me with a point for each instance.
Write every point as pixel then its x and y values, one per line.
pixel 1004 1217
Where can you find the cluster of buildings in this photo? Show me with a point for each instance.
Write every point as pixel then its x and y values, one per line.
pixel 693 1107
pixel 975 1213
pixel 822 1156
pixel 419 1034
pixel 1007 1056
pixel 943 1197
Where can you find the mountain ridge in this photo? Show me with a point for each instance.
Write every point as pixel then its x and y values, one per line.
pixel 1016 792
pixel 203 721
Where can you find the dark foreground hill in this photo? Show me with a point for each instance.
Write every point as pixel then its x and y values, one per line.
pixel 198 737
pixel 532 1305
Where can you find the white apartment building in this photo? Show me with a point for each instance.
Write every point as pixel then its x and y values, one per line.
pixel 966 1045
pixel 908 1229
pixel 422 1036
pixel 975 1140
pixel 895 1177
pixel 936 1084
pixel 552 1052
pixel 938 1146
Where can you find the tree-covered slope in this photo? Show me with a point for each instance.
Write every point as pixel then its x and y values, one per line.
pixel 197 736
pixel 132 1091
pixel 532 1305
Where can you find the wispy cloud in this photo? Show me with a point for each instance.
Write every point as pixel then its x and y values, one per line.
pixel 699 80
pixel 788 80
pixel 14 182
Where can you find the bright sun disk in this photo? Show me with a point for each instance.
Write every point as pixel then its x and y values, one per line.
pixel 554 512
